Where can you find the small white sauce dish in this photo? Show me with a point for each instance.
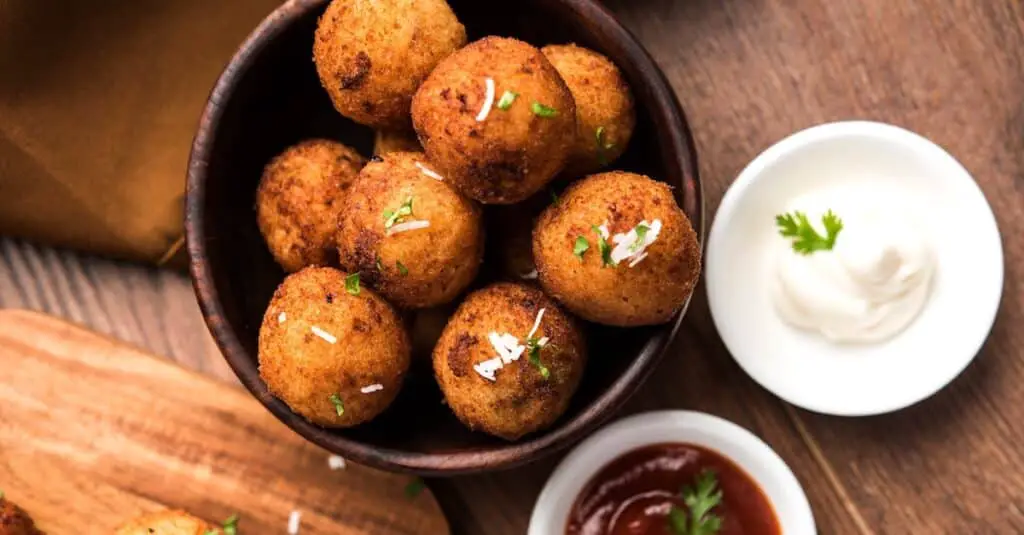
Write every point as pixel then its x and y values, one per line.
pixel 764 466
pixel 916 177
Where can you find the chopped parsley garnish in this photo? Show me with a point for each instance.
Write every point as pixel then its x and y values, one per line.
pixel 352 283
pixel 554 196
pixel 677 521
pixel 606 250
pixel 580 247
pixel 339 406
pixel 805 237
pixel 396 216
pixel 533 351
pixel 641 238
pixel 541 110
pixel 402 270
pixel 414 488
pixel 506 100
pixel 229 527
pixel 700 500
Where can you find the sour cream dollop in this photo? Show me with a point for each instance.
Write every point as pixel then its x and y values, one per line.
pixel 868 288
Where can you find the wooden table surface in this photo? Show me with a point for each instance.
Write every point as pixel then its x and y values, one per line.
pixel 748 72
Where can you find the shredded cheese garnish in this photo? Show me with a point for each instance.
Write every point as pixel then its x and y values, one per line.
pixel 429 172
pixel 637 260
pixel 487 368
pixel 508 348
pixel 293 522
pixel 415 224
pixel 536 323
pixel 331 339
pixel 369 389
pixel 336 462
pixel 281 317
pixel 632 245
pixel 531 275
pixel 488 100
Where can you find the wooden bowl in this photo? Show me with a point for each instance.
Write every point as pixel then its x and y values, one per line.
pixel 269 97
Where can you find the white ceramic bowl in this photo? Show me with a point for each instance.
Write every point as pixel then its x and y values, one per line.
pixel 804 368
pixel 551 512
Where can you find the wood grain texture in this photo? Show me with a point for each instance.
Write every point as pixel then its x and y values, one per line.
pixel 130 432
pixel 749 72
pixel 143 306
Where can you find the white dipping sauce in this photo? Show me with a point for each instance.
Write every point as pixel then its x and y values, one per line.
pixel 869 287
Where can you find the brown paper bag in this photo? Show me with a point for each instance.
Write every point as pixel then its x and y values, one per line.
pixel 99 101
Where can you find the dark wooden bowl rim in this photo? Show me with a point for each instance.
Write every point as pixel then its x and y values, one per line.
pixel 675 138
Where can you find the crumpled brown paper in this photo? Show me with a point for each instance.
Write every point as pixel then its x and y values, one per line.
pixel 99 101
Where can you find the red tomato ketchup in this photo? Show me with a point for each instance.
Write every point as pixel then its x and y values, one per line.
pixel 634 494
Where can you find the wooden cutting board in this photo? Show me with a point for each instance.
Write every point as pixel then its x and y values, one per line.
pixel 93 432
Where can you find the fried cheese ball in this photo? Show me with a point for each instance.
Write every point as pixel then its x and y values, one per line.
pixel 497 120
pixel 529 389
pixel 300 195
pixel 14 521
pixel 332 349
pixel 168 522
pixel 617 250
pixel 605 115
pixel 385 141
pixel 413 237
pixel 371 55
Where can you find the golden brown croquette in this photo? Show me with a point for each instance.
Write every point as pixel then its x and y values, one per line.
pixel 300 195
pixel 412 236
pixel 497 150
pixel 605 116
pixel 371 55
pixel 594 250
pixel 524 394
pixel 168 522
pixel 331 348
